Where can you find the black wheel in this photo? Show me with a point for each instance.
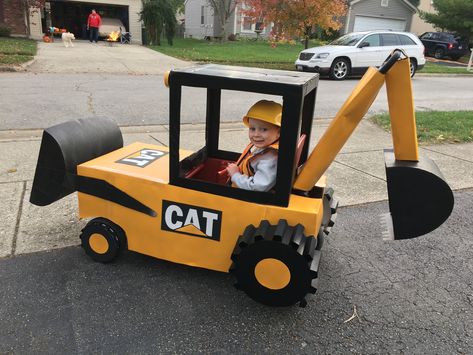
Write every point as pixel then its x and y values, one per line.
pixel 412 66
pixel 340 69
pixel 102 240
pixel 439 53
pixel 276 265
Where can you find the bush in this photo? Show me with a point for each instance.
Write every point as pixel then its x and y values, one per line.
pixel 5 31
pixel 232 37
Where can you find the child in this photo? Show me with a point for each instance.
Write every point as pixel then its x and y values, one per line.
pixel 256 170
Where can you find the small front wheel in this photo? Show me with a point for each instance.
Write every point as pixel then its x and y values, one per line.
pixel 101 240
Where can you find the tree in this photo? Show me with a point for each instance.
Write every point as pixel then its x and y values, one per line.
pixel 297 17
pixel 223 9
pixel 29 7
pixel 156 16
pixel 452 15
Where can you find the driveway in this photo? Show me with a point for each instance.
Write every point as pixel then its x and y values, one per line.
pixel 101 57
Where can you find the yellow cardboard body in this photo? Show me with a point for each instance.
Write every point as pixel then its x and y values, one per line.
pixel 150 186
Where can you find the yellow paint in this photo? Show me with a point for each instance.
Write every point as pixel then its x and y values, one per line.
pixel 149 185
pixel 340 129
pixel 401 111
pixel 98 243
pixel 272 274
pixel 166 78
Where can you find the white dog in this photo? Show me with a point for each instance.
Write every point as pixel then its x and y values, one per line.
pixel 67 38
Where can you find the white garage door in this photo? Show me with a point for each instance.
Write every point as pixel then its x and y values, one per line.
pixel 364 23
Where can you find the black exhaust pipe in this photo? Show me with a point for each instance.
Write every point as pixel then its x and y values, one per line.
pixel 65 146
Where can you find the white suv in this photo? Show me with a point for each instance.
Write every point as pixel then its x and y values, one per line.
pixel 354 52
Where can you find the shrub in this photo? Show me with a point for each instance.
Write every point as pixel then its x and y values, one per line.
pixel 232 37
pixel 5 31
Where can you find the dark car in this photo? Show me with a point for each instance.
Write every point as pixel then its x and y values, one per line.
pixel 444 44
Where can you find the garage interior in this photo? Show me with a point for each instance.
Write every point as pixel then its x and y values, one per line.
pixel 73 16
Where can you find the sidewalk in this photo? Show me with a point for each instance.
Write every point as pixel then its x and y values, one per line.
pixel 101 58
pixel 357 176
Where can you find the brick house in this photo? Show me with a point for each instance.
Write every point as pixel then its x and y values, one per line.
pixel 12 16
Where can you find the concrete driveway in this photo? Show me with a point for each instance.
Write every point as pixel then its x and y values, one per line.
pixel 101 57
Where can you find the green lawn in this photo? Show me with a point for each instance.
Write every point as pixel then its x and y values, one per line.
pixel 243 52
pixel 440 69
pixel 438 126
pixel 255 54
pixel 16 51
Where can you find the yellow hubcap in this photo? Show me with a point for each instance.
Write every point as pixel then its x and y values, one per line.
pixel 98 243
pixel 272 274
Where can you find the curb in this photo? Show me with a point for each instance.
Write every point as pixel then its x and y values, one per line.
pixel 17 68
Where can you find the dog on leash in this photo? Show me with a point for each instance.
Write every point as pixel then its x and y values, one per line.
pixel 67 38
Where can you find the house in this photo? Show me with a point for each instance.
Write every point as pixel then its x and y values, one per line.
pixel 365 15
pixel 12 17
pixel 200 22
pixel 71 15
pixel 418 25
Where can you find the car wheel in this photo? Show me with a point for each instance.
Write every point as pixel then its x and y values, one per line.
pixel 412 66
pixel 439 53
pixel 340 69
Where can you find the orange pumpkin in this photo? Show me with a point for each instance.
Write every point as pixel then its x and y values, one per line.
pixel 46 39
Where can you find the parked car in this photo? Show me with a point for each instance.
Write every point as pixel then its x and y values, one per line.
pixel 355 52
pixel 442 44
pixel 110 25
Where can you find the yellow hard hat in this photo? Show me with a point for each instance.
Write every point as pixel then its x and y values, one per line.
pixel 264 110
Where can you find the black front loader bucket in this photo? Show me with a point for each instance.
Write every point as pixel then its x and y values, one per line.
pixel 65 146
pixel 419 198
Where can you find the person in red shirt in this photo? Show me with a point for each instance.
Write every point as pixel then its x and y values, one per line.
pixel 93 23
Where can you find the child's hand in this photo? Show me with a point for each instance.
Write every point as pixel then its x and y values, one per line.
pixel 232 169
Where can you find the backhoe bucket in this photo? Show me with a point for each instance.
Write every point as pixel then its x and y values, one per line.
pixel 65 146
pixel 419 198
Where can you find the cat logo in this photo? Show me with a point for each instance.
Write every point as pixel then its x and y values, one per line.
pixel 191 220
pixel 142 157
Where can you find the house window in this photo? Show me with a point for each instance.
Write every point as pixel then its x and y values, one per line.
pixel 202 15
pixel 384 3
pixel 247 24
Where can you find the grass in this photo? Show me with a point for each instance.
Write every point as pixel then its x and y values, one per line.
pixel 15 51
pixel 256 54
pixel 243 52
pixel 441 69
pixel 438 126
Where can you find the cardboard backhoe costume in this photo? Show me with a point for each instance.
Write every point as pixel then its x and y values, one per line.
pixel 170 204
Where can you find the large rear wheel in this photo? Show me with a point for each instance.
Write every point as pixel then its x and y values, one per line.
pixel 276 265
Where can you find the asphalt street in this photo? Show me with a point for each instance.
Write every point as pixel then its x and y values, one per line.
pixel 411 297
pixel 39 100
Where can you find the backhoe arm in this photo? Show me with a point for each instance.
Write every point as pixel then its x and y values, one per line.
pixel 419 198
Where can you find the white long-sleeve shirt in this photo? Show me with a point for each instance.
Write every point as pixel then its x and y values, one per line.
pixel 265 168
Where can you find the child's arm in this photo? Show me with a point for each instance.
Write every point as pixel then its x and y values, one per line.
pixel 265 174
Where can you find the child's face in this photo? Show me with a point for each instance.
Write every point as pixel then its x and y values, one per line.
pixel 262 133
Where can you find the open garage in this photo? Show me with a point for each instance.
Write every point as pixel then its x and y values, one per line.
pixel 72 15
